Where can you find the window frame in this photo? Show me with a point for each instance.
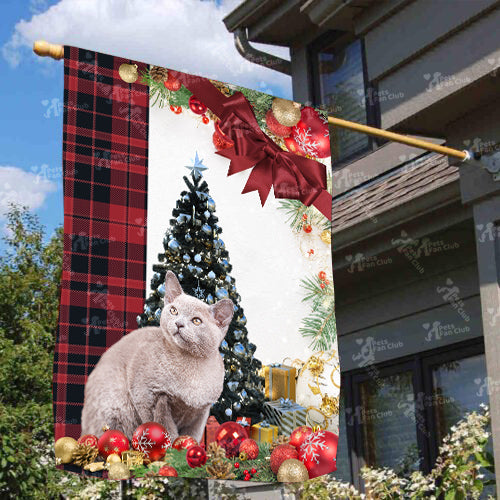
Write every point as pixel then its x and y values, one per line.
pixel 421 365
pixel 339 39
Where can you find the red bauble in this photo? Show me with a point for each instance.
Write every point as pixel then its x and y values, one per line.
pixel 112 441
pixel 184 442
pixel 275 126
pixel 307 228
pixel 152 439
pixel 167 471
pixel 196 106
pixel 196 456
pixel 311 134
pixel 172 84
pixel 292 146
pixel 298 436
pixel 205 119
pixel 220 140
pixel 89 440
pixel 280 454
pixel 250 447
pixel 229 436
pixel 322 275
pixel 176 109
pixel 319 453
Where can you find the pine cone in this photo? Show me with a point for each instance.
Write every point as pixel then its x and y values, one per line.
pixel 220 469
pixel 215 452
pixel 222 87
pixel 279 440
pixel 158 74
pixel 84 455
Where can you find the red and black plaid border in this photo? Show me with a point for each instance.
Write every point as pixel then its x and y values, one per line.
pixel 105 182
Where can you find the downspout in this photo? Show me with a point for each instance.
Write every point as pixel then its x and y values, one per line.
pixel 257 56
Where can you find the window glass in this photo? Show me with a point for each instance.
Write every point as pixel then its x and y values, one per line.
pixel 460 387
pixel 388 422
pixel 342 90
pixel 343 472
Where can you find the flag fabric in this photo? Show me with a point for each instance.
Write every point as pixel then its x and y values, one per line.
pixel 196 253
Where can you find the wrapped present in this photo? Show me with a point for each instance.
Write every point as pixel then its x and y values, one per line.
pixel 211 428
pixel 264 432
pixel 245 422
pixel 280 381
pixel 286 414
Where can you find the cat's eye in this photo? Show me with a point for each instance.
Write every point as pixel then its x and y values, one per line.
pixel 173 311
pixel 196 321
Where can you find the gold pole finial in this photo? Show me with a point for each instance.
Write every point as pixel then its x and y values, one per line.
pixel 43 48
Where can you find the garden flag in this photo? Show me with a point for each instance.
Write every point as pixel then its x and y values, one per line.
pixel 196 325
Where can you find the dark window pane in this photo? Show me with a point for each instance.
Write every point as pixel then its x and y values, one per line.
pixel 342 90
pixel 388 422
pixel 343 472
pixel 459 387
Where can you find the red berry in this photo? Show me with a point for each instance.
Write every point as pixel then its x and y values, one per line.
pixel 327 282
pixel 246 478
pixel 253 471
pixel 205 119
pixel 322 275
pixel 304 217
pixel 307 228
pixel 322 285
pixel 237 465
pixel 245 472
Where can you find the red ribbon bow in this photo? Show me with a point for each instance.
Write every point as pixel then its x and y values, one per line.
pixel 291 176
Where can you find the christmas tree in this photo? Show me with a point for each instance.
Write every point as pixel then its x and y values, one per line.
pixel 195 252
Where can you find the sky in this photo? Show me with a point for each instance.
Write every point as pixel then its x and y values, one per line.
pixel 187 35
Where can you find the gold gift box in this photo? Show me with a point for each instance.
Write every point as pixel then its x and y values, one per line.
pixel 280 381
pixel 264 434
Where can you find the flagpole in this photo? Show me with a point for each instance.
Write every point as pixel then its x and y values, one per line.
pixel 45 49
pixel 392 136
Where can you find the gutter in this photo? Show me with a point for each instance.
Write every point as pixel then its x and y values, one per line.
pixel 258 56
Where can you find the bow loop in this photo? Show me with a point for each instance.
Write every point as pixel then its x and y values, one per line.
pixel 286 402
pixel 290 175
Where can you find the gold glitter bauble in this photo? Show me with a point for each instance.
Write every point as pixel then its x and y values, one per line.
pixel 292 471
pixel 128 72
pixel 64 449
pixel 326 237
pixel 118 470
pixel 286 112
pixel 113 458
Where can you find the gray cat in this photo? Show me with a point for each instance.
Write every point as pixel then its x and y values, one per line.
pixel 169 374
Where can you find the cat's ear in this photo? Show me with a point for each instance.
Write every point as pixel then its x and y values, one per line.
pixel 172 287
pixel 223 313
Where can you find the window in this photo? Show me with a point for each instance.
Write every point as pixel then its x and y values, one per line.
pixel 339 84
pixel 396 414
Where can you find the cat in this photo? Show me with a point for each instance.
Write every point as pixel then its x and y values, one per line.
pixel 170 374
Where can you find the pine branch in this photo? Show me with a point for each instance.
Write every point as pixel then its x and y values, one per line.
pixel 320 297
pixel 161 96
pixel 320 327
pixel 295 211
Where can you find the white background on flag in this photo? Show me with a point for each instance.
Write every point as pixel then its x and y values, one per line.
pixel 268 264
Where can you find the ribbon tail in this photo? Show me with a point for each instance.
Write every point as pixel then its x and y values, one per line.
pixel 323 203
pixel 261 180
